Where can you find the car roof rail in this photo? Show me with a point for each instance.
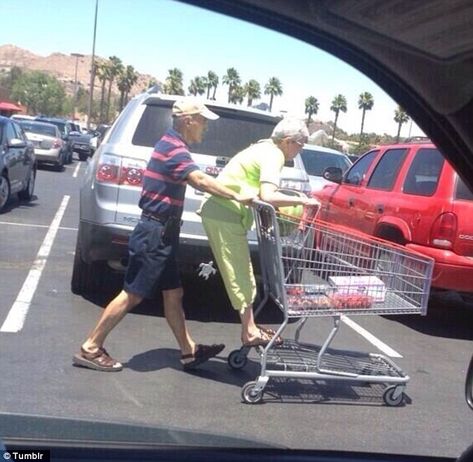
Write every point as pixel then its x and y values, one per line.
pixel 418 139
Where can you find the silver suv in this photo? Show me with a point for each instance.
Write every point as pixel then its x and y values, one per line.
pixel 112 185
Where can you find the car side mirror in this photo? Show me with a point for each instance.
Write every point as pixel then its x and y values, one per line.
pixel 16 143
pixel 334 174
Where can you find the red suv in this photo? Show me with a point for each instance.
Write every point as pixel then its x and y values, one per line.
pixel 409 194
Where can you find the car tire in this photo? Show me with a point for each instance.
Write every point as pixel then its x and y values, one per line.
pixel 83 156
pixel 27 193
pixel 86 277
pixel 5 191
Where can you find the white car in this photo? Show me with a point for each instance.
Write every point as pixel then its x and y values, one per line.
pixel 317 159
pixel 48 144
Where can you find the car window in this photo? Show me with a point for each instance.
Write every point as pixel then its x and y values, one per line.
pixel 387 169
pixel 315 162
pixel 356 174
pixel 10 132
pixel 424 172
pixel 462 192
pixel 232 132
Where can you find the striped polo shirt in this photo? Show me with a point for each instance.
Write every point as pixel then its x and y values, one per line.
pixel 164 183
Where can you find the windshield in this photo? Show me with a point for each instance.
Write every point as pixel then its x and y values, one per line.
pixel 321 340
pixel 40 129
pixel 315 162
pixel 229 134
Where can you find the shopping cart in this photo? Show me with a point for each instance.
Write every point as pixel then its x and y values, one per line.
pixel 310 269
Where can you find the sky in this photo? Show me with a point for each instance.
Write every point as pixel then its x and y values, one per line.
pixel 157 35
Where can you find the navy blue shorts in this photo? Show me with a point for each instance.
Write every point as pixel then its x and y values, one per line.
pixel 152 263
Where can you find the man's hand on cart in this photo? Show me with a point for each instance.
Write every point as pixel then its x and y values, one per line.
pixel 311 202
pixel 245 199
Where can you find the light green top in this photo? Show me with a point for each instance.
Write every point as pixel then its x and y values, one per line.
pixel 260 162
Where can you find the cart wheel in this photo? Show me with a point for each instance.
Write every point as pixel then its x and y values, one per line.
pixel 250 395
pixel 390 398
pixel 237 359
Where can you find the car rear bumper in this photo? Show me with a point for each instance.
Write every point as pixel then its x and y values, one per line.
pixel 451 271
pixel 47 155
pixel 99 242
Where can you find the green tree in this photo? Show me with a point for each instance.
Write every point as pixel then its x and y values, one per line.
pixel 238 94
pixel 212 83
pixel 115 69
pixel 197 86
pixel 400 117
pixel 102 71
pixel 232 79
pixel 365 103
pixel 39 92
pixel 273 88
pixel 339 104
pixel 9 78
pixel 173 85
pixel 126 79
pixel 253 91
pixel 311 107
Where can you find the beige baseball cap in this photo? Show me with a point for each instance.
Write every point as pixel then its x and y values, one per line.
pixel 184 107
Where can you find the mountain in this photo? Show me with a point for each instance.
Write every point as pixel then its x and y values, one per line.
pixel 62 66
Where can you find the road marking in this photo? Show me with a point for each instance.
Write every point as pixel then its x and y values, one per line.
pixel 17 314
pixel 76 171
pixel 30 225
pixel 386 349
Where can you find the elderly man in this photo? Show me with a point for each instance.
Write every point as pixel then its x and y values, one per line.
pixel 154 242
pixel 255 170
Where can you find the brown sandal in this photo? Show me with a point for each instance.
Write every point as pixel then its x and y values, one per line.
pixel 266 335
pixel 100 360
pixel 272 333
pixel 201 354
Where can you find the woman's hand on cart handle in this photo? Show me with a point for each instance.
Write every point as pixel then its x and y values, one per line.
pixel 245 199
pixel 311 202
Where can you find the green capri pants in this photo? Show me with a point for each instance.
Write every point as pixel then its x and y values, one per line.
pixel 229 244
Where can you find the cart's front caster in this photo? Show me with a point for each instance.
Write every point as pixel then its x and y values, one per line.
pixel 237 359
pixel 250 393
pixel 394 396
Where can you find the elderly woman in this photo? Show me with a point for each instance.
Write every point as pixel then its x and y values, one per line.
pixel 255 170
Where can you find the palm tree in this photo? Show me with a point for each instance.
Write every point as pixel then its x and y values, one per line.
pixel 173 84
pixel 127 78
pixel 238 94
pixel 232 79
pixel 253 91
pixel 197 86
pixel 365 102
pixel 102 72
pixel 273 88
pixel 339 103
pixel 115 68
pixel 212 82
pixel 311 107
pixel 401 117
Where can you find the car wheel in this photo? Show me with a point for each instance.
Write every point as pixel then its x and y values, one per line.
pixel 86 278
pixel 83 156
pixel 5 191
pixel 27 193
pixel 60 163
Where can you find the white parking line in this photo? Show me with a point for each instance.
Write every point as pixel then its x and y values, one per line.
pixel 386 349
pixel 76 170
pixel 17 314
pixel 31 225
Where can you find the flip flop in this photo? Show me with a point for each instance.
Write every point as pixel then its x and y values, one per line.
pixel 100 360
pixel 202 353
pixel 261 341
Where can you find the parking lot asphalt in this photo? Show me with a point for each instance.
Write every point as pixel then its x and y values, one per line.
pixel 153 390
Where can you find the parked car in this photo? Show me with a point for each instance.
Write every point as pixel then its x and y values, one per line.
pixel 65 129
pixel 112 186
pixel 17 163
pixel 317 159
pixel 48 145
pixel 82 144
pixel 409 194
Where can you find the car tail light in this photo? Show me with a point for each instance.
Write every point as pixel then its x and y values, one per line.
pixel 444 230
pixel 121 171
pixel 57 143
